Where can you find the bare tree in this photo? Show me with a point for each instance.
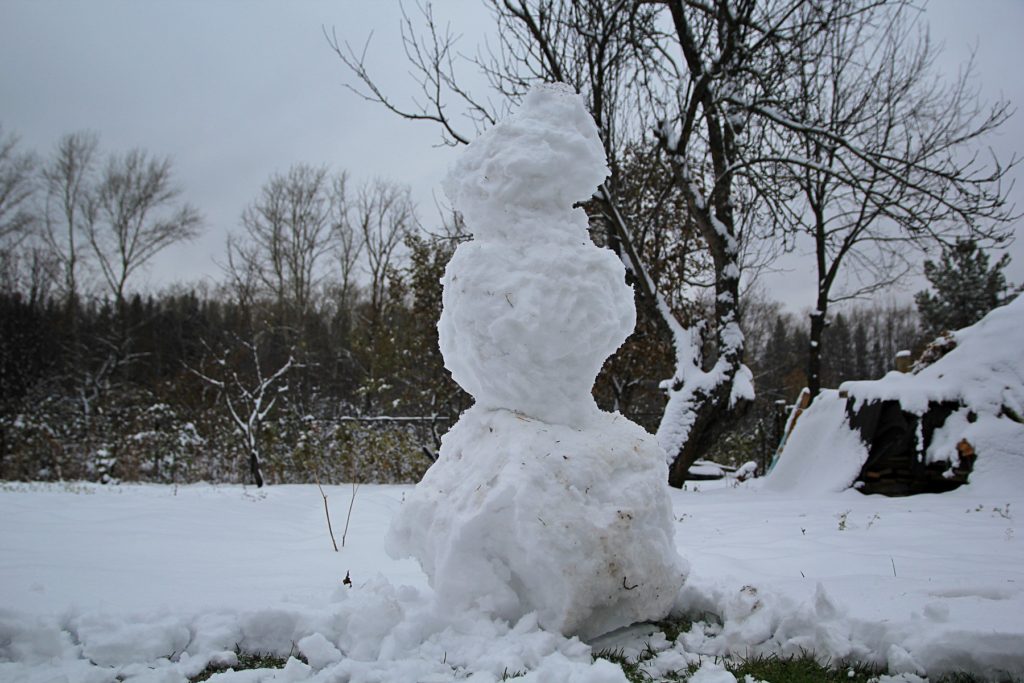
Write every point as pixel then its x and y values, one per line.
pixel 249 393
pixel 16 189
pixel 348 246
pixel 710 51
pixel 67 181
pixel 133 215
pixel 381 213
pixel 883 158
pixel 290 229
pixel 609 50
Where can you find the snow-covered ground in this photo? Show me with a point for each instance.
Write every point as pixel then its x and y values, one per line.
pixel 151 583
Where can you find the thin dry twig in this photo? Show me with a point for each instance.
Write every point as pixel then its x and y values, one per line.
pixel 328 513
pixel 348 518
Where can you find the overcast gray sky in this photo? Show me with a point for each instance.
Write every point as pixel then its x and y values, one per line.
pixel 236 90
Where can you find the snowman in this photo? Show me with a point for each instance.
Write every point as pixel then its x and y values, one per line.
pixel 539 502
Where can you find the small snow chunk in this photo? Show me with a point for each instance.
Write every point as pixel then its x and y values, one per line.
pixel 293 672
pixel 710 672
pixel 937 612
pixel 742 386
pixel 745 471
pixel 824 607
pixel 319 651
pixel 902 662
pixel 108 640
pixel 31 641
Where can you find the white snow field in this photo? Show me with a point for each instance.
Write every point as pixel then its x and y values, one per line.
pixel 151 583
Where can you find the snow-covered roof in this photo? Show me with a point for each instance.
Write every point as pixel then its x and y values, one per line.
pixel 985 372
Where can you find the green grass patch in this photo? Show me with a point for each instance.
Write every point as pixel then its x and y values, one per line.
pixel 960 677
pixel 800 669
pixel 673 627
pixel 804 668
pixel 246 660
pixel 630 665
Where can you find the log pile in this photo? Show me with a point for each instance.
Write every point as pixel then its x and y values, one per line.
pixel 897 442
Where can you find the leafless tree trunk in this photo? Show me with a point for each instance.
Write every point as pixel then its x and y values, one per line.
pixel 16 189
pixel 67 179
pixel 711 50
pixel 381 214
pixel 348 246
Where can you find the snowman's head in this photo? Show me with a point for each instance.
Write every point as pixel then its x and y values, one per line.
pixel 530 169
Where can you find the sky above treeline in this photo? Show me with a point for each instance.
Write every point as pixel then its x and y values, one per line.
pixel 235 91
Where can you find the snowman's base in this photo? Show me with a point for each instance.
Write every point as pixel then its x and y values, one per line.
pixel 520 516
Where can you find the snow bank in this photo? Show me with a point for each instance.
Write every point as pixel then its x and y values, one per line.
pixel 366 634
pixel 984 373
pixel 822 454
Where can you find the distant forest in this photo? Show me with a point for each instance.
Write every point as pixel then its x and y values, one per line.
pixel 315 356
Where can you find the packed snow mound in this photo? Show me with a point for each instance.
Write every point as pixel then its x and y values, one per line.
pixel 985 371
pixel 822 454
pixel 528 329
pixel 521 178
pixel 521 516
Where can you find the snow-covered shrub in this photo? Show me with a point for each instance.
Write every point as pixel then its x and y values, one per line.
pixel 350 450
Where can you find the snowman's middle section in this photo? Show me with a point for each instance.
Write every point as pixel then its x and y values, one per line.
pixel 527 328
